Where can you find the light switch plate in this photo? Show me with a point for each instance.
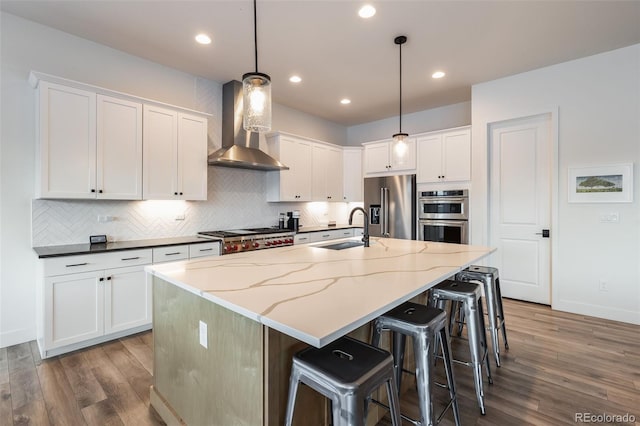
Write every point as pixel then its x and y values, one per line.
pixel 203 334
pixel 610 218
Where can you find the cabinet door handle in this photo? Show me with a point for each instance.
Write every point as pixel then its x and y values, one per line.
pixel 101 278
pixel 175 193
pixel 109 278
pixel 326 235
pixel 93 190
pixel 170 254
pixel 76 264
pixel 209 249
pixel 131 258
pixel 100 191
pixel 181 193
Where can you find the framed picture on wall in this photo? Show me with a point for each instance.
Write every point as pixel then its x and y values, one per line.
pixel 601 184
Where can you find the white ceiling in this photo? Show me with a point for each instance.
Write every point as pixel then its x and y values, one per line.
pixel 338 54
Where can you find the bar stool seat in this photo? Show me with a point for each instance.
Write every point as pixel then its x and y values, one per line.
pixel 490 280
pixel 346 371
pixel 422 324
pixel 469 295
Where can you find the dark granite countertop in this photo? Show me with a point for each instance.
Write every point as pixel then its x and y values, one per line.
pixel 74 249
pixel 306 229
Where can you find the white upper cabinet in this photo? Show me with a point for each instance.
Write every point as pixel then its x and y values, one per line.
pixel 293 184
pixel 444 156
pixel 90 145
pixel 160 153
pixel 67 142
pixel 390 157
pixel 192 156
pixel 326 182
pixel 175 155
pixel 352 174
pixel 94 142
pixel 119 149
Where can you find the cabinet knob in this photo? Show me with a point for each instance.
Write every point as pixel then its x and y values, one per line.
pixel 109 278
pixel 93 190
pixel 100 191
pixel 101 279
pixel 181 193
pixel 175 193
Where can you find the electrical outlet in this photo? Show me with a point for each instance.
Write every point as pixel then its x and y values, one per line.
pixel 610 218
pixel 602 286
pixel 203 335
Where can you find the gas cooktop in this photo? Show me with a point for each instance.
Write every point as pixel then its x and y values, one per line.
pixel 230 233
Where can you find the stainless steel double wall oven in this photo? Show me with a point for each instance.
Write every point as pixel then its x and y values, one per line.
pixel 444 216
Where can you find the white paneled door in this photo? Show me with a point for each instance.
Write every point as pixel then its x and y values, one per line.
pixel 520 206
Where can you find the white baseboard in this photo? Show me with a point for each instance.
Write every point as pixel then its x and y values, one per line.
pixel 614 314
pixel 15 337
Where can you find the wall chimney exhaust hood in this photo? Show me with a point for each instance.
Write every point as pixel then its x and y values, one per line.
pixel 239 147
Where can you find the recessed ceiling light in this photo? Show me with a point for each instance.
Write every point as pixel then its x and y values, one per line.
pixel 367 11
pixel 345 101
pixel 295 79
pixel 438 74
pixel 203 39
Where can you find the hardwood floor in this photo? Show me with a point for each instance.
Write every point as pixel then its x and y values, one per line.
pixel 106 384
pixel 558 365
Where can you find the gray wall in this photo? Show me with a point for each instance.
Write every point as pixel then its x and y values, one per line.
pixel 445 117
pixel 596 101
pixel 235 198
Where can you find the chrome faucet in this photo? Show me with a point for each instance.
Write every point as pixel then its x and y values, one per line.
pixel 365 237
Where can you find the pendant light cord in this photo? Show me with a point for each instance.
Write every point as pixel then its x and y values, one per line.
pixel 255 32
pixel 400 88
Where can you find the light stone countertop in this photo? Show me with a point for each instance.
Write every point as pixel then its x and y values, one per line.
pixel 317 295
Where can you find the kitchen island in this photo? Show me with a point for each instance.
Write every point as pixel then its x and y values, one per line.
pixel 253 310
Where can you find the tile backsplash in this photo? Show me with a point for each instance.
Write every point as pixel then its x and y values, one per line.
pixel 236 198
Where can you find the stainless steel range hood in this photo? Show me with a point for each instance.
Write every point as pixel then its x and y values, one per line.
pixel 239 147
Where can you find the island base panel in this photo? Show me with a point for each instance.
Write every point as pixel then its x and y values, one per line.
pixel 218 385
pixel 243 376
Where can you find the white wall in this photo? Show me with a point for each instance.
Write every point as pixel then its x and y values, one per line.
pixel 235 197
pixel 445 117
pixel 598 122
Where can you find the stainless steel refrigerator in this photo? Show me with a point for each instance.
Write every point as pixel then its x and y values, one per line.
pixel 390 202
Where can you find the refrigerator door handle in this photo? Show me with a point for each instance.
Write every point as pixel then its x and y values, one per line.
pixel 384 211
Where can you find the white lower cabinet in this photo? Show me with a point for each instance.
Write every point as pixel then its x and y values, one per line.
pixel 204 249
pixel 73 309
pixel 91 298
pixel 316 236
pixel 127 299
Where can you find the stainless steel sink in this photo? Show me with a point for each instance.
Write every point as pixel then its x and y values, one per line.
pixel 343 245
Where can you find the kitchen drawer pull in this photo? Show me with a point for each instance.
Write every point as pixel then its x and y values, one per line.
pixel 326 235
pixel 131 258
pixel 208 249
pixel 170 254
pixel 77 264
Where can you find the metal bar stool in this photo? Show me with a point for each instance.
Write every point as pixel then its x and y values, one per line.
pixel 422 324
pixel 491 282
pixel 470 296
pixel 346 371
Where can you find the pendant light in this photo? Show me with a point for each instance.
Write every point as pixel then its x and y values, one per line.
pixel 256 93
pixel 400 136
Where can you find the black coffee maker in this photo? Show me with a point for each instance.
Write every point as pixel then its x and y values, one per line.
pixel 293 220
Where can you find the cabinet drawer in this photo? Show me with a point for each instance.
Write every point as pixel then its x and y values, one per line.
pixel 94 262
pixel 303 238
pixel 204 249
pixel 343 233
pixel 170 254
